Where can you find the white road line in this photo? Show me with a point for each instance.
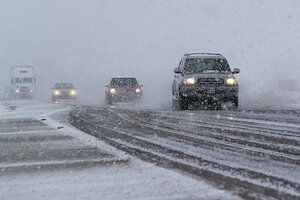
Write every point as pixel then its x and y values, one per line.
pixel 56 162
pixel 52 132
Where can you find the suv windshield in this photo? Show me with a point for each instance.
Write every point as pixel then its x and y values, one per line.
pixel 206 65
pixel 119 82
pixel 64 86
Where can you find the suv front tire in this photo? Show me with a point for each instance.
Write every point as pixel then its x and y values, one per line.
pixel 183 102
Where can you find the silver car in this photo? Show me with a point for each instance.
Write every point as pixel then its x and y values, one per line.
pixel 205 79
pixel 64 91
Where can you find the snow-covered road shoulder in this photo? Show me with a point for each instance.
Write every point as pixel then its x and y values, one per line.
pixel 35 141
pixel 58 120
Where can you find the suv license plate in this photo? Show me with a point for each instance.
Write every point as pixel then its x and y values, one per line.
pixel 211 91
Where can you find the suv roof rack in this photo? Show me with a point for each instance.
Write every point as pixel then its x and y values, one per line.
pixel 189 54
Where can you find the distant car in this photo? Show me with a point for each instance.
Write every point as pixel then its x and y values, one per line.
pixel 64 91
pixel 205 78
pixel 123 89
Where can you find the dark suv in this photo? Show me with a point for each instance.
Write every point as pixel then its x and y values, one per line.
pixel 205 79
pixel 123 89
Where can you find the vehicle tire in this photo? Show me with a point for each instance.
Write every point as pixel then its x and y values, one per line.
pixel 108 101
pixel 174 101
pixel 183 102
pixel 139 101
pixel 175 105
pixel 219 105
pixel 235 103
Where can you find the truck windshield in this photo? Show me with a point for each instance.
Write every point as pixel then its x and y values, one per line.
pixel 23 80
pixel 206 65
pixel 119 82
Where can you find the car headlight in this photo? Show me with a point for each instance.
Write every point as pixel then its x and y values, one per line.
pixel 73 92
pixel 17 91
pixel 189 81
pixel 138 90
pixel 31 91
pixel 231 81
pixel 112 91
pixel 56 92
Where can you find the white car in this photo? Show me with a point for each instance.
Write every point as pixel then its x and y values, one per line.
pixel 64 91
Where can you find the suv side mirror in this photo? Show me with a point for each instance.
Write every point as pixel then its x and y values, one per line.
pixel 141 86
pixel 236 71
pixel 106 85
pixel 177 70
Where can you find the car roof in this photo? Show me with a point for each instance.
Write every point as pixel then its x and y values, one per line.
pixel 123 77
pixel 63 83
pixel 203 55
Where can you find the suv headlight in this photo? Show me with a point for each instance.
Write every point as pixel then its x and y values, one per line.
pixel 231 81
pixel 56 92
pixel 189 81
pixel 73 92
pixel 138 90
pixel 112 91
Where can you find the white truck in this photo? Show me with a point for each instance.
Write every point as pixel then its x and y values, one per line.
pixel 22 82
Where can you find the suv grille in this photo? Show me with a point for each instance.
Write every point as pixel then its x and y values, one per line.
pixel 211 81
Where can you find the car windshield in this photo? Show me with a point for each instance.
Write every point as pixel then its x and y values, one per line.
pixel 23 80
pixel 119 82
pixel 206 65
pixel 64 86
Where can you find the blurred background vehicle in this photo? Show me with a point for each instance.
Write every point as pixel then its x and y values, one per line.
pixel 64 91
pixel 22 83
pixel 123 89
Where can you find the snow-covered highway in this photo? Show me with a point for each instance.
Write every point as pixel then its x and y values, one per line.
pixel 43 157
pixel 254 153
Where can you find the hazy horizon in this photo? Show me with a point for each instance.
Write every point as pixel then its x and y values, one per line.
pixel 88 42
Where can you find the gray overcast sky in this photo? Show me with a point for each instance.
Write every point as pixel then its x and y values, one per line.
pixel 87 42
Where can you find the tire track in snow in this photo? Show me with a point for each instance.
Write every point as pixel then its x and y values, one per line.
pixel 112 126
